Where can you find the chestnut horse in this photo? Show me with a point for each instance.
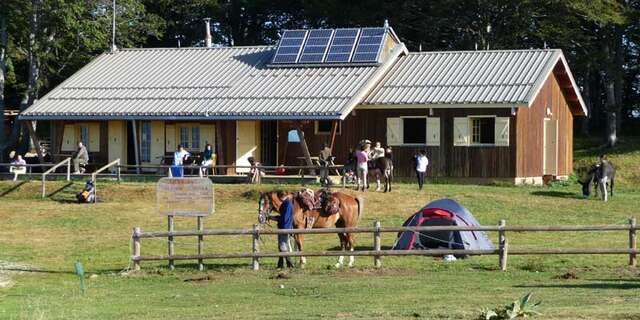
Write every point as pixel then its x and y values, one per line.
pixel 350 211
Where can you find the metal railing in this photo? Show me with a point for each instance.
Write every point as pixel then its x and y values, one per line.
pixel 52 169
pixel 94 175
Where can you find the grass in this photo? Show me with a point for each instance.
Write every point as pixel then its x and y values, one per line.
pixel 41 239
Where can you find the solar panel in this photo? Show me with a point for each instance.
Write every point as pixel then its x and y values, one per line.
pixel 316 46
pixel 369 45
pixel 290 46
pixel 342 45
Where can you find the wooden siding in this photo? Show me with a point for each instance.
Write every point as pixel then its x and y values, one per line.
pixel 444 160
pixel 530 131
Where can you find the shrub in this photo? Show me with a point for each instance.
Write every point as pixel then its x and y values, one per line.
pixel 521 308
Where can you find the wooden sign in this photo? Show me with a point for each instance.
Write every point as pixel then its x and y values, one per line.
pixel 185 197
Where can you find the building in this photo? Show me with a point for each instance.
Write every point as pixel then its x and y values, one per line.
pixel 504 114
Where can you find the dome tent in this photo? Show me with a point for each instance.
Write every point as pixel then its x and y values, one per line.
pixel 444 212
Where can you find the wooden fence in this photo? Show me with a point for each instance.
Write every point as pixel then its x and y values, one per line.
pixel 503 251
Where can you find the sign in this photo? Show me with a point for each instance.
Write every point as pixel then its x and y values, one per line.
pixel 185 197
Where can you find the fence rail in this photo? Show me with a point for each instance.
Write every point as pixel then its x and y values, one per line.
pixel 66 161
pixel 503 250
pixel 94 175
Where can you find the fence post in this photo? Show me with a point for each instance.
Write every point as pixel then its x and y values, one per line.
pixel 256 247
pixel 632 242
pixel 118 173
pixel 503 246
pixel 136 248
pixel 68 169
pixel 170 241
pixel 44 193
pixel 200 243
pixel 377 260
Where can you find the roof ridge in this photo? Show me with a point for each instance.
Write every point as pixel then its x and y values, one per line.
pixel 483 51
pixel 196 48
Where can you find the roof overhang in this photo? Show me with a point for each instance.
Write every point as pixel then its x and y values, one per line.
pixel 442 106
pixel 54 117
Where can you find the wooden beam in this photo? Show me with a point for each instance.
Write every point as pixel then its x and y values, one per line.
pixel 136 148
pixel 305 148
pixel 31 125
pixel 219 146
pixel 334 131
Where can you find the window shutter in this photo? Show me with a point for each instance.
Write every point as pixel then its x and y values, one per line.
pixel 157 140
pixel 69 138
pixel 461 131
pixel 433 131
pixel 502 131
pixel 94 137
pixel 394 131
pixel 170 138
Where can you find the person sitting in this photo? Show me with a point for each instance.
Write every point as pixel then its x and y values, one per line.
pixel 80 158
pixel 255 174
pixel 207 158
pixel 285 221
pixel 281 170
pixel 180 155
pixel 20 168
pixel 377 152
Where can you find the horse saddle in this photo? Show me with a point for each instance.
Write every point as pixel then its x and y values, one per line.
pixel 320 200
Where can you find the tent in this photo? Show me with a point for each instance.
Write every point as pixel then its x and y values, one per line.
pixel 444 212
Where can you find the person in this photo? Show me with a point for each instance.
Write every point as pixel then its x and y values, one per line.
pixel 285 221
pixel 255 174
pixel 80 158
pixel 378 151
pixel 207 158
pixel 180 155
pixel 362 158
pixel 388 152
pixel 421 167
pixel 325 154
pixel 20 169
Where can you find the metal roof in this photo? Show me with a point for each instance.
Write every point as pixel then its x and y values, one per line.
pixel 469 78
pixel 206 83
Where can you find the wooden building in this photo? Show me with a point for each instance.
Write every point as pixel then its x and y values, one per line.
pixel 479 114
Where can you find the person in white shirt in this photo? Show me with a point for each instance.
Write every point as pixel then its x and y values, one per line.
pixel 180 155
pixel 421 167
pixel 377 152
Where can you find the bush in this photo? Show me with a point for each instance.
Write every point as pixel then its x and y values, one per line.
pixel 521 308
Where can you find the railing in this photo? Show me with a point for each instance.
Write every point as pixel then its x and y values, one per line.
pixel 503 250
pixel 52 169
pixel 94 175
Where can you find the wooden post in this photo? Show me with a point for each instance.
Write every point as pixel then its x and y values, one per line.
pixel 219 147
pixel 305 148
pixel 43 188
pixel 68 169
pixel 334 131
pixel 31 125
pixel 136 248
pixel 136 148
pixel 256 247
pixel 200 242
pixel 633 245
pixel 170 241
pixel 503 246
pixel 118 172
pixel 377 261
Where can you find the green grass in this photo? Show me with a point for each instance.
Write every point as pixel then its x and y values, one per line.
pixel 45 237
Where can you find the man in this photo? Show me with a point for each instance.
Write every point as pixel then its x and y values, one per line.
pixel 421 167
pixel 378 151
pixel 81 157
pixel 285 221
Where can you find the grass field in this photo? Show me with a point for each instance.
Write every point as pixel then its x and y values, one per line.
pixel 41 239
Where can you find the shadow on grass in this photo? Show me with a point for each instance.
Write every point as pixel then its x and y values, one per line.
pixel 27 270
pixel 558 194
pixel 595 285
pixel 60 189
pixel 12 188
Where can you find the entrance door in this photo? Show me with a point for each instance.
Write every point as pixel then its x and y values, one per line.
pixel 550 147
pixel 247 139
pixel 117 144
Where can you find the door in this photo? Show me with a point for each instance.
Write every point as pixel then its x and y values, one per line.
pixel 550 149
pixel 117 143
pixel 246 144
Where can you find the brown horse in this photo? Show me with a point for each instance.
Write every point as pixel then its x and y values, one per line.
pixel 350 211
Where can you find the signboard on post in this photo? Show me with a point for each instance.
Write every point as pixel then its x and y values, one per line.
pixel 191 197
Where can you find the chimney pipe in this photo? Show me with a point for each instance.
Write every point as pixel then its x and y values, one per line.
pixel 207 37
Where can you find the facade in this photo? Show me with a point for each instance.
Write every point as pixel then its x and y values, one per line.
pixel 479 114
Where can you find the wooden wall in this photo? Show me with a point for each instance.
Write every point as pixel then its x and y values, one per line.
pixel 444 161
pixel 57 129
pixel 530 127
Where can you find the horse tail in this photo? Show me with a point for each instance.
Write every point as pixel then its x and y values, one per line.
pixel 360 203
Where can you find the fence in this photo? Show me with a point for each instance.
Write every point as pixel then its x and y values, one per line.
pixel 503 250
pixel 53 169
pixel 94 175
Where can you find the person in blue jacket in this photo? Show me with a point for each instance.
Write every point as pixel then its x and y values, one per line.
pixel 285 221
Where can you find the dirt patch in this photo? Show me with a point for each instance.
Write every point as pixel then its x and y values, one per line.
pixel 205 278
pixel 10 268
pixel 571 275
pixel 281 275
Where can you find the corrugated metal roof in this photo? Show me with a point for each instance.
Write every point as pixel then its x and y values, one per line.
pixel 219 83
pixel 465 77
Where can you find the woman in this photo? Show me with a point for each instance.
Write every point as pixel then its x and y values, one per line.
pixel 207 158
pixel 362 157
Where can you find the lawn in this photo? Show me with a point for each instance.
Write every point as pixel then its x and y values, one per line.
pixel 41 239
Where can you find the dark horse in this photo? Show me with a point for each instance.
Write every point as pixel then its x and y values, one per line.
pixel 382 166
pixel 348 215
pixel 602 176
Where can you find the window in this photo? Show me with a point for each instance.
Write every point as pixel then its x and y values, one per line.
pixel 414 130
pixel 293 137
pixel 84 136
pixel 325 126
pixel 483 130
pixel 190 137
pixel 145 141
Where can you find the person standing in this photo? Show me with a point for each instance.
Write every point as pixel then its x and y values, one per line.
pixel 180 155
pixel 207 158
pixel 421 167
pixel 81 157
pixel 285 221
pixel 362 157
pixel 378 151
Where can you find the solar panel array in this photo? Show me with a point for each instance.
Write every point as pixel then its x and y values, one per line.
pixel 329 46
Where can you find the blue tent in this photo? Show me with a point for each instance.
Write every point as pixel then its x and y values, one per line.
pixel 444 212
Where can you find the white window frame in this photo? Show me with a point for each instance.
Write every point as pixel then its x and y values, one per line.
pixel 317 131
pixel 85 140
pixel 425 130
pixel 190 139
pixel 470 130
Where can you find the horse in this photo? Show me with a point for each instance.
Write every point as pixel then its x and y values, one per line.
pixel 349 213
pixel 602 176
pixel 382 166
